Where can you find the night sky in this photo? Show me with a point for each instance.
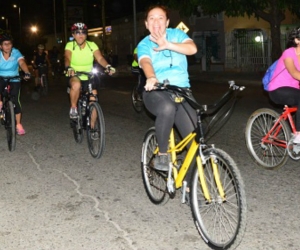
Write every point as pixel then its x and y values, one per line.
pixel 41 13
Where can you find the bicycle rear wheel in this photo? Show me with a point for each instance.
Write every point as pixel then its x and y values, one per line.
pixel 268 155
pixel 221 223
pixel 96 130
pixel 155 182
pixel 77 126
pixel 10 126
pixel 136 98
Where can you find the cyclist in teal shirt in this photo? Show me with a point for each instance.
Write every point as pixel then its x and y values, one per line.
pixel 162 56
pixel 10 61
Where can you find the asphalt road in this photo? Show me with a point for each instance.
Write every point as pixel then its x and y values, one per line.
pixel 54 195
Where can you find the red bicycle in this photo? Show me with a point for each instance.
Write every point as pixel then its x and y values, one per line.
pixel 269 137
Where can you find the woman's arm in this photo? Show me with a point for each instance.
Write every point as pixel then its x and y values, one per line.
pixel 290 66
pixel 146 65
pixel 23 65
pixel 188 47
pixel 100 58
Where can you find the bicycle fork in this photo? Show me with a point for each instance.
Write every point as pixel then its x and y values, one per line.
pixel 203 182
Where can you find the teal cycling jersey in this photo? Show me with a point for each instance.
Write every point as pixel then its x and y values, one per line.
pixel 10 67
pixel 167 64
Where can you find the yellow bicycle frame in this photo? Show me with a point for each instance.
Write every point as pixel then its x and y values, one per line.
pixel 179 176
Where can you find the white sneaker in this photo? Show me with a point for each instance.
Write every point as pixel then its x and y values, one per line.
pixel 297 138
pixel 73 113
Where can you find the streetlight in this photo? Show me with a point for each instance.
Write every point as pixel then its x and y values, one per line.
pixel 19 8
pixel 6 21
pixel 34 30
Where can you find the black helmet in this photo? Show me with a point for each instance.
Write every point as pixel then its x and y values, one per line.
pixel 4 36
pixel 78 26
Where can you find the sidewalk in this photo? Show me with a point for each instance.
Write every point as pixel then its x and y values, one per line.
pixel 195 71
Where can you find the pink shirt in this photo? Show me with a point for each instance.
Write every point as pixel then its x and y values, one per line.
pixel 281 77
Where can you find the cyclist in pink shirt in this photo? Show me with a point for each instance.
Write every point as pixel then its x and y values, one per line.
pixel 284 87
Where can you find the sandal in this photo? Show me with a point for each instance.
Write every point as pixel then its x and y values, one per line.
pixel 20 130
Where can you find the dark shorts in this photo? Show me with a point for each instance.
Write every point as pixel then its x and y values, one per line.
pixel 84 84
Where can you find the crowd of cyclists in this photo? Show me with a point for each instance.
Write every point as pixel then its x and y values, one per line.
pixel 159 56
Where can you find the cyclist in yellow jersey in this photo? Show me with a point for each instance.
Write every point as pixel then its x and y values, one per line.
pixel 79 56
pixel 136 70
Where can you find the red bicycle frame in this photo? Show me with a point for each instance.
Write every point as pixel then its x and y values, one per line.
pixel 271 136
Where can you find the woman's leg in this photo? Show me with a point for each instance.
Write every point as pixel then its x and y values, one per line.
pixel 288 96
pixel 160 104
pixel 15 93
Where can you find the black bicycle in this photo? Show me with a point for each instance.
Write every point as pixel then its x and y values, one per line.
pixel 137 92
pixel 137 98
pixel 7 114
pixel 43 79
pixel 90 118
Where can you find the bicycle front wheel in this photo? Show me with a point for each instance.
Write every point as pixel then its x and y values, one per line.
pixel 136 98
pixel 10 126
pixel 155 182
pixel 77 126
pixel 220 222
pixel 96 130
pixel 271 154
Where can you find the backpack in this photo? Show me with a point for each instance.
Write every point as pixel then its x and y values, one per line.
pixel 268 75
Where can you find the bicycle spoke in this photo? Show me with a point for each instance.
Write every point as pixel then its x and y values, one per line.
pixel 220 222
pixel 154 181
pixel 96 130
pixel 267 152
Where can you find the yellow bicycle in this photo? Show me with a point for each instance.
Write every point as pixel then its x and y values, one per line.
pixel 216 189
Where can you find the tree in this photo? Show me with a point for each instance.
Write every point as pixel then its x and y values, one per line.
pixel 272 11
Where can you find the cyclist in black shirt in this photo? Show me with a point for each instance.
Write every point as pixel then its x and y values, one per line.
pixel 40 57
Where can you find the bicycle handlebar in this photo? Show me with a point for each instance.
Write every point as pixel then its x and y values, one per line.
pixel 205 108
pixel 42 65
pixel 91 74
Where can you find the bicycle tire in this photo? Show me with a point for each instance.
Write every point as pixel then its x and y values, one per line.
pixel 268 156
pixel 155 182
pixel 10 126
pixel 136 99
pixel 45 85
pixel 220 223
pixel 77 126
pixel 96 135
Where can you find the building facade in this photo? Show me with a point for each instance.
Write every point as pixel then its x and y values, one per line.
pixel 224 43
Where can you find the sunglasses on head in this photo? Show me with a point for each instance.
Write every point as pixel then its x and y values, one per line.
pixel 78 32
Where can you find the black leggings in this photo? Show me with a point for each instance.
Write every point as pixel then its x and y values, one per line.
pixel 168 113
pixel 288 96
pixel 14 92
